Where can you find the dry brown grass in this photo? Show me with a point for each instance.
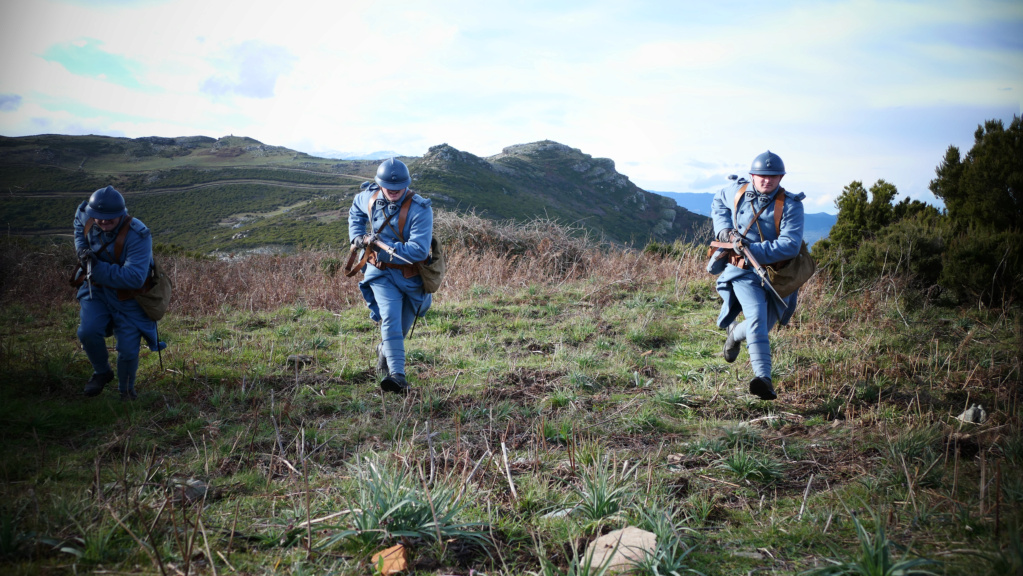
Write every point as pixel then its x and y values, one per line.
pixel 480 253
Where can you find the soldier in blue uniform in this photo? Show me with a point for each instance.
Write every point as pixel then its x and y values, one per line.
pixel 116 253
pixel 739 287
pixel 388 211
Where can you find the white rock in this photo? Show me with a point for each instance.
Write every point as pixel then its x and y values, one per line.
pixel 621 549
pixel 974 414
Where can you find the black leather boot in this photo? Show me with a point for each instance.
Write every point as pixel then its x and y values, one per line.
pixel 761 388
pixel 394 383
pixel 97 382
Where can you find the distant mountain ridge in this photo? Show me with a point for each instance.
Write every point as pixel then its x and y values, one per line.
pixel 816 226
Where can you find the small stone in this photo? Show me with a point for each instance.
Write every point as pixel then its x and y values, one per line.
pixel 975 414
pixel 751 555
pixel 622 549
pixel 300 359
pixel 192 489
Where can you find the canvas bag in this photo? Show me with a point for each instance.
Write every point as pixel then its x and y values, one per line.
pixel 433 268
pixel 155 295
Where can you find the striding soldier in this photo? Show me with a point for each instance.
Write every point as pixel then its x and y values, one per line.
pixel 115 251
pixel 749 209
pixel 388 212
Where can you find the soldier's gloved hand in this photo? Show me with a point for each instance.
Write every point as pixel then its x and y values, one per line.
pixel 725 235
pixel 736 240
pixel 85 255
pixel 364 241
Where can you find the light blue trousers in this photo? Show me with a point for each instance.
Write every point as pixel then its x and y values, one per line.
pixel 96 318
pixel 759 319
pixel 396 313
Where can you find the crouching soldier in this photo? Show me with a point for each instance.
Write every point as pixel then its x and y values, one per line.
pixel 748 208
pixel 115 251
pixel 395 226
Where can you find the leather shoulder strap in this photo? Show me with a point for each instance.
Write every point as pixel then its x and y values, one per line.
pixel 403 216
pixel 88 226
pixel 369 207
pixel 779 206
pixel 121 235
pixel 738 196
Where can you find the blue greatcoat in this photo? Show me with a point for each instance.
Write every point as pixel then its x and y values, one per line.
pixel 741 289
pixel 393 300
pixel 102 313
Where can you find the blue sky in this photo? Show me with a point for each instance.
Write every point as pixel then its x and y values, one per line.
pixel 679 94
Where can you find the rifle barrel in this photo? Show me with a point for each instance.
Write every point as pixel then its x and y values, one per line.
pixel 390 250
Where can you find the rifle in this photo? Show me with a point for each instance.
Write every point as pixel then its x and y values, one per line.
pixel 355 263
pixel 738 245
pixel 390 251
pixel 88 275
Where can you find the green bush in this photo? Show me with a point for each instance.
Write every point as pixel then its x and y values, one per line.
pixel 984 265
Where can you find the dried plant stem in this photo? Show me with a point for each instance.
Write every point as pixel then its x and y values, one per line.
pixel 149 550
pixel 206 544
pixel 805 494
pixel 507 471
pixel 433 456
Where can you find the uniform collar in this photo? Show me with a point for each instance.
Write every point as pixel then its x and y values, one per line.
pixel 752 194
pixel 115 231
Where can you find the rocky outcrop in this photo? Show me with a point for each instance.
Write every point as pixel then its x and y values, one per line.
pixel 534 148
pixel 547 179
pixel 443 154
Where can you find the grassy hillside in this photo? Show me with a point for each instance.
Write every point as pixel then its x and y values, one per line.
pixel 197 193
pixel 558 394
pixel 234 194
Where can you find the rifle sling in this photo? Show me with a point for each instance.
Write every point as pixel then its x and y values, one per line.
pixel 736 259
pixel 407 270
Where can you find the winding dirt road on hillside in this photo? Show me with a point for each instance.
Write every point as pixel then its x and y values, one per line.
pixel 176 189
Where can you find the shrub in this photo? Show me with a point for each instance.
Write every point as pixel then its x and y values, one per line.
pixel 985 266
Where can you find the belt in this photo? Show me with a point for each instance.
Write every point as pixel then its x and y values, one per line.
pixel 407 270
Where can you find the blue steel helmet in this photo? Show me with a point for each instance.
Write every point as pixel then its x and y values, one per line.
pixel 106 204
pixel 767 164
pixel 393 175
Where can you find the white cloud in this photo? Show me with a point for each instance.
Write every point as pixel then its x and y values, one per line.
pixel 252 70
